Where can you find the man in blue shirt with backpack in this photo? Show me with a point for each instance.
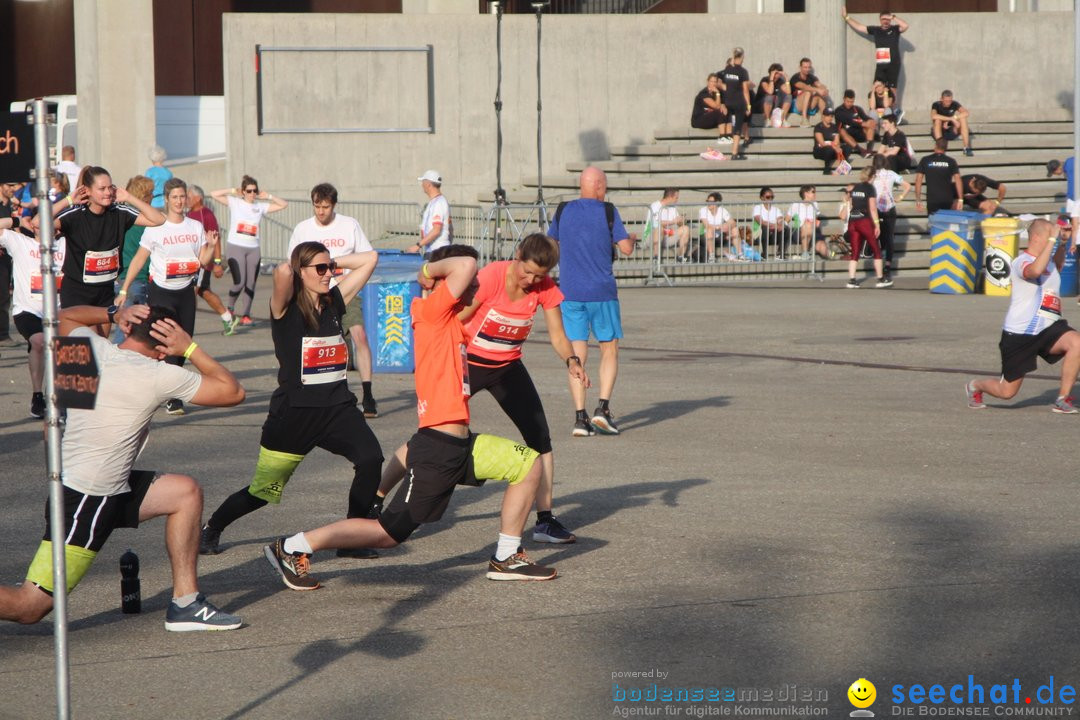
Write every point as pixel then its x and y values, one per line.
pixel 587 230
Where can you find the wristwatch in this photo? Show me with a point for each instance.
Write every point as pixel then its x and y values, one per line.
pixel 111 311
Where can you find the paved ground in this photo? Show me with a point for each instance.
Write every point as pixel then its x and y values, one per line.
pixel 800 497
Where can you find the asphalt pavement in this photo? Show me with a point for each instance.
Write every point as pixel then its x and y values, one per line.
pixel 799 498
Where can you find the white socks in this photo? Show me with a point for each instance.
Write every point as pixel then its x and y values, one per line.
pixel 508 545
pixel 297 544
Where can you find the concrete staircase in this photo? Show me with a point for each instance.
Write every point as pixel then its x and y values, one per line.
pixel 1006 149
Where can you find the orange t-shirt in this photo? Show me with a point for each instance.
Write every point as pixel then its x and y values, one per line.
pixel 442 372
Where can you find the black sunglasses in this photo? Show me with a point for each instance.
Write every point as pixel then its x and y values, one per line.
pixel 321 268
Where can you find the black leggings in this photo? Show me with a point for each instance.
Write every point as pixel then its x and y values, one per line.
pixel 296 431
pixel 513 388
pixel 885 237
pixel 827 153
pixel 182 302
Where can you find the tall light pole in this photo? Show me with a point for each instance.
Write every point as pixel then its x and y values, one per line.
pixel 539 6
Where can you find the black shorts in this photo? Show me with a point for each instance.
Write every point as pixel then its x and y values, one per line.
pixel 888 73
pixel 857 133
pixel 202 280
pixel 28 325
pixel 737 117
pixel 709 120
pixel 1018 351
pixel 513 388
pixel 972 202
pixel 74 292
pixel 436 464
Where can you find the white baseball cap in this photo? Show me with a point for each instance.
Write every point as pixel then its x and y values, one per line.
pixel 431 176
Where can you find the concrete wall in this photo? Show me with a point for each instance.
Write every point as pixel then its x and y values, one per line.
pixel 608 80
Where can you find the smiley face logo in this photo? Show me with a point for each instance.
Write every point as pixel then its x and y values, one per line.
pixel 862 693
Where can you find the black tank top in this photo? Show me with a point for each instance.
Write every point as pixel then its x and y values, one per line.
pixel 311 363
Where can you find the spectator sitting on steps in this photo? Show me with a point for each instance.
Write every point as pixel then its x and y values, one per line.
pixel 668 226
pixel 950 120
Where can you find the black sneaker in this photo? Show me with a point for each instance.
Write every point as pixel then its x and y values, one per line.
pixel 375 511
pixel 518 567
pixel 292 567
pixel 357 553
pixel 209 541
pixel 552 531
pixel 582 428
pixel 174 406
pixel 37 405
pixel 371 410
pixel 199 615
pixel 604 423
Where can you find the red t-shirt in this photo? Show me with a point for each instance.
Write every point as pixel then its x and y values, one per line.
pixel 442 373
pixel 206 216
pixel 501 325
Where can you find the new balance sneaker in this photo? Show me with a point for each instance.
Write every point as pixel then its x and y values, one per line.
pixel 292 567
pixel 552 531
pixel 174 406
pixel 604 423
pixel 37 405
pixel 371 409
pixel 582 428
pixel 357 553
pixel 518 567
pixel 246 320
pixel 209 541
pixel 852 284
pixel 974 397
pixel 1064 405
pixel 229 326
pixel 726 140
pixel 883 282
pixel 199 615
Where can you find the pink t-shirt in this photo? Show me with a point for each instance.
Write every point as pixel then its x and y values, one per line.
pixel 501 325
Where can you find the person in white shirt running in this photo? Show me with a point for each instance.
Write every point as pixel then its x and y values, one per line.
pixel 1033 325
pixel 27 309
pixel 341 235
pixel 243 245
pixel 176 251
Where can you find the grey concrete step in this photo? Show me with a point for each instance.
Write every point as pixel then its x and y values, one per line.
pixel 785 145
pixel 911 129
pixel 1017 162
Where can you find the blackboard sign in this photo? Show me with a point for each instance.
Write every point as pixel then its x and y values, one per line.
pixel 76 373
pixel 16 147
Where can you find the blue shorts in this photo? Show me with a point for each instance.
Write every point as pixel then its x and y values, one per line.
pixel 602 317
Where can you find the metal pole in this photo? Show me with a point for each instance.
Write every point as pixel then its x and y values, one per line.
pixel 500 192
pixel 539 7
pixel 1076 107
pixel 52 412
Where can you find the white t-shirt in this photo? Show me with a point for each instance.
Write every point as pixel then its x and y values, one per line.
pixel 712 219
pixel 174 252
pixel 437 211
pixel 884 182
pixel 1035 304
pixel 805 212
pixel 100 445
pixel 767 215
pixel 71 170
pixel 664 214
pixel 25 255
pixel 244 219
pixel 341 237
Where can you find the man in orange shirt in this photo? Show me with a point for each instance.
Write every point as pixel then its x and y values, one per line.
pixel 443 452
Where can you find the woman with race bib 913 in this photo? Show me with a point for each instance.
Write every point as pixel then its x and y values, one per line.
pixel 243 246
pixel 312 405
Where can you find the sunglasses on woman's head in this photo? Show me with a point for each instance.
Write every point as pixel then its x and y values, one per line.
pixel 322 268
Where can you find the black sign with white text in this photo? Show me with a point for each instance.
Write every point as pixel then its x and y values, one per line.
pixel 16 147
pixel 76 373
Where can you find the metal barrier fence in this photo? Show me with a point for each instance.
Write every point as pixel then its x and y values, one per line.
pixel 685 244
